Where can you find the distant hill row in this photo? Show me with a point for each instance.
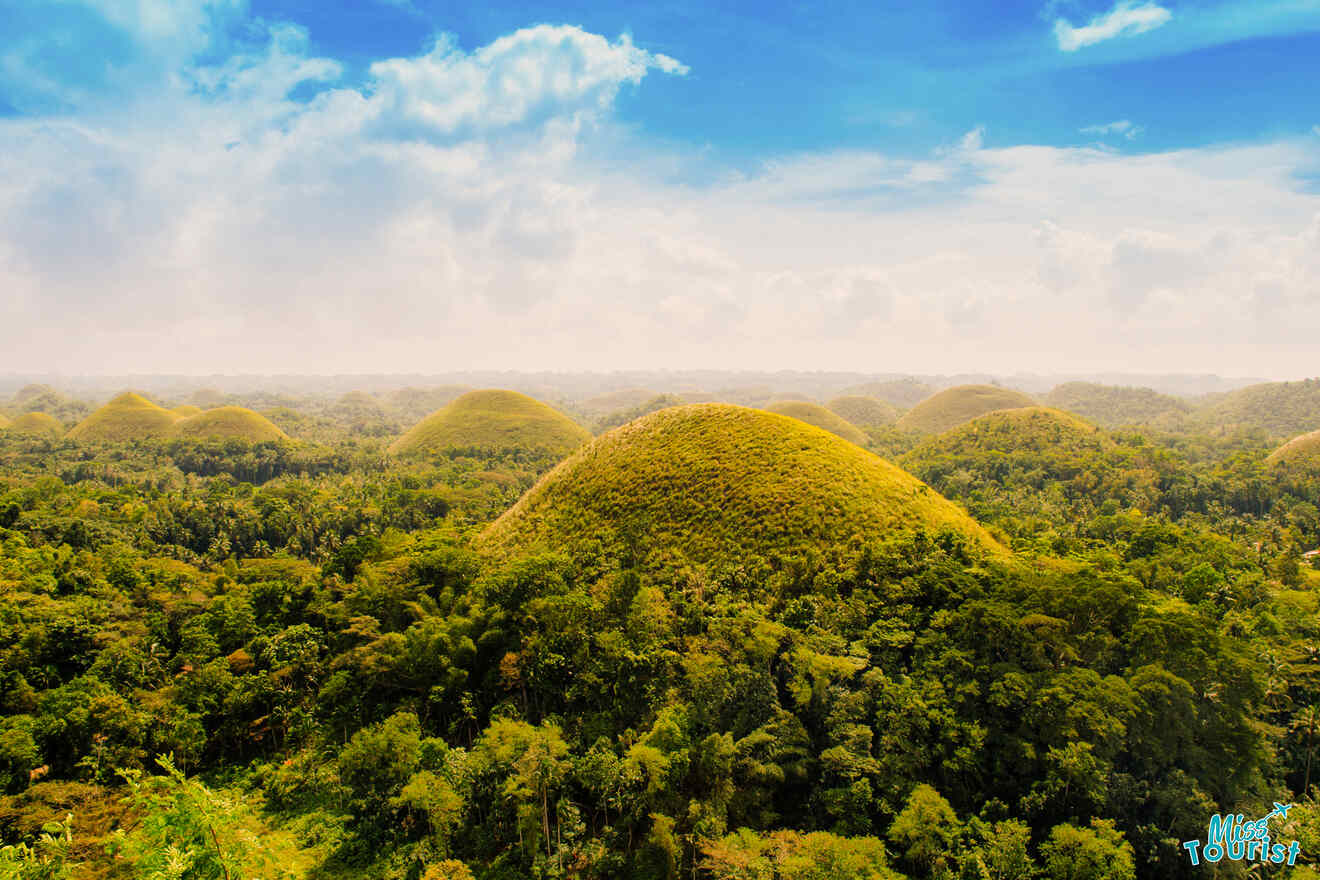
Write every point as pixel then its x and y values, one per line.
pixel 131 416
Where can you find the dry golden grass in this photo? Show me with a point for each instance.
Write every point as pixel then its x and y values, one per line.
pixel 953 406
pixel 230 423
pixel 494 420
pixel 37 424
pixel 815 414
pixel 718 483
pixel 127 417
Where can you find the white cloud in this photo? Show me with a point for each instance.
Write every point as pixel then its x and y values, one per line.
pixel 973 139
pixel 1122 127
pixel 457 215
pixel 1126 18
pixel 530 77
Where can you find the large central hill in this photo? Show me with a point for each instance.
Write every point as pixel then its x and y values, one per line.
pixel 815 414
pixel 953 406
pixel 712 483
pixel 494 420
pixel 230 423
pixel 127 417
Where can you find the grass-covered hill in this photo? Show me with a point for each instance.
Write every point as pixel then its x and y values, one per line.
pixel 815 414
pixel 721 484
pixel 35 424
pixel 962 403
pixel 187 411
pixel 865 412
pixel 127 417
pixel 623 416
pixel 902 393
pixel 230 423
pixel 1112 406
pixel 416 403
pixel 1012 466
pixel 494 420
pixel 1033 428
pixel 1303 451
pixel 4 421
pixel 1280 409
pixel 614 401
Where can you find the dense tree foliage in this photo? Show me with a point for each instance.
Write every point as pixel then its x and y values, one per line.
pixel 234 660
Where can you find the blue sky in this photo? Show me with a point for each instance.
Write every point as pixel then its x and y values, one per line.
pixel 1048 185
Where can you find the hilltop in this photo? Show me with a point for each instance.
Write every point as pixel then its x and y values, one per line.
pixel 416 403
pixel 1013 465
pixel 129 416
pixel 953 406
pixel 716 483
pixel 1280 409
pixel 187 411
pixel 494 420
pixel 865 412
pixel 902 393
pixel 1303 451
pixel 815 414
pixel 1021 429
pixel 1113 406
pixel 230 423
pixel 623 416
pixel 35 424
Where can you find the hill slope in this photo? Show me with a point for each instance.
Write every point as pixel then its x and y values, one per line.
pixel 36 424
pixel 187 411
pixel 962 403
pixel 1113 406
pixel 717 483
pixel 127 417
pixel 815 414
pixel 1279 408
pixel 494 419
pixel 899 392
pixel 1014 465
pixel 865 412
pixel 1303 451
pixel 4 421
pixel 230 423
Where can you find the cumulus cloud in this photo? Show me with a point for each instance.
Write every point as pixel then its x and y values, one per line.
pixel 528 78
pixel 1125 19
pixel 455 213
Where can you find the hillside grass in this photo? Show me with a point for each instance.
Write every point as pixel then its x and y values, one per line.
pixel 1303 450
pixel 36 424
pixel 954 406
pixel 815 414
pixel 903 393
pixel 493 420
pixel 187 411
pixel 230 423
pixel 1281 409
pixel 1028 428
pixel 128 416
pixel 717 483
pixel 865 412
